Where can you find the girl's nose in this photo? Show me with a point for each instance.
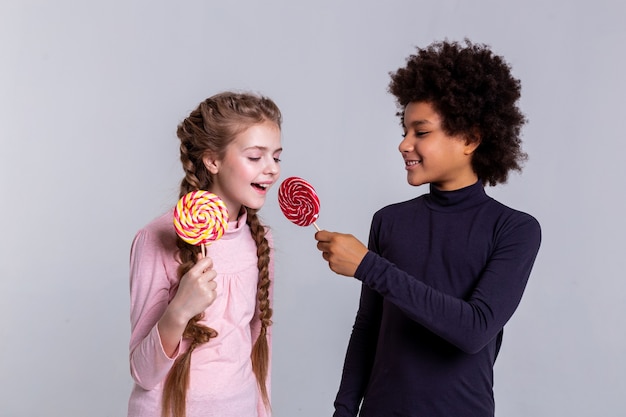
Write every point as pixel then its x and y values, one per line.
pixel 272 167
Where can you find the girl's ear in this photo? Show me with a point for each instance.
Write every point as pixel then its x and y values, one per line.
pixel 211 163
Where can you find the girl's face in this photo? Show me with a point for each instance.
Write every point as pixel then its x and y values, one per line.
pixel 249 168
pixel 431 155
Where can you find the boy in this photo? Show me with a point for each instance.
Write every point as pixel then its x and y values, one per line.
pixel 443 272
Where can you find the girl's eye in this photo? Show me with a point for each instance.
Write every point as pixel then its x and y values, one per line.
pixel 258 158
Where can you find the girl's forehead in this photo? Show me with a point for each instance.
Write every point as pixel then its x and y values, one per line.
pixel 265 135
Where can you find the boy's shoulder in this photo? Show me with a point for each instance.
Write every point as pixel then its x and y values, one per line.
pixel 514 220
pixel 396 209
pixel 512 211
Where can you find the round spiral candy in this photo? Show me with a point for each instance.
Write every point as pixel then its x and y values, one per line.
pixel 298 201
pixel 200 217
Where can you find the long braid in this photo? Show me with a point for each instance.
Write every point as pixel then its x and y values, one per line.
pixel 260 350
pixel 177 380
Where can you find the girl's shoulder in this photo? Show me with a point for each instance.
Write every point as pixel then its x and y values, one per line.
pixel 164 222
pixel 158 232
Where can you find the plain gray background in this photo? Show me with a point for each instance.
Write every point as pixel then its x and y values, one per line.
pixel 90 96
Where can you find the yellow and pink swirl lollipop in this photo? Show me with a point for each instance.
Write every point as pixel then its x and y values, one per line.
pixel 299 202
pixel 200 218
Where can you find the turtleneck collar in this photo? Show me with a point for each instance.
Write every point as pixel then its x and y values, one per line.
pixel 235 227
pixel 456 200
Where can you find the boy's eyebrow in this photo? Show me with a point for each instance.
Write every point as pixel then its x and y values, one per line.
pixel 419 123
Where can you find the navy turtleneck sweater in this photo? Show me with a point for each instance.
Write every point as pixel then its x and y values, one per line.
pixel 444 273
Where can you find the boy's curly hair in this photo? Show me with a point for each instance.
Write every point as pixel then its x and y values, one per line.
pixel 475 94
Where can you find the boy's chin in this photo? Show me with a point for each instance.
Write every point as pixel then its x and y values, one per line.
pixel 414 182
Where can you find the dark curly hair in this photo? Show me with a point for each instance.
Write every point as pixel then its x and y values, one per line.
pixel 475 94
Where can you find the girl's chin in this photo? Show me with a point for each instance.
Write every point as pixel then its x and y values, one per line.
pixel 256 204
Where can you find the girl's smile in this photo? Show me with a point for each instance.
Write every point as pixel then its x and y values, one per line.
pixel 262 188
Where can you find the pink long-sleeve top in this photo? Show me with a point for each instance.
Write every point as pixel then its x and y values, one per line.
pixel 222 382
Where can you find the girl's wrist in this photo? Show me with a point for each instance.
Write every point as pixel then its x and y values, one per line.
pixel 174 318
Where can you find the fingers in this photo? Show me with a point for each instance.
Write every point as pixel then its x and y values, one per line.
pixel 203 269
pixel 323 235
pixel 205 273
pixel 343 252
pixel 330 241
pixel 325 240
pixel 203 264
pixel 325 243
pixel 210 292
pixel 198 289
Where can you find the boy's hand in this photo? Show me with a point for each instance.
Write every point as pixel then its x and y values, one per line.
pixel 343 252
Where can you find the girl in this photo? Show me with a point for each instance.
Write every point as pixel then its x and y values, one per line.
pixel 200 343
pixel 445 271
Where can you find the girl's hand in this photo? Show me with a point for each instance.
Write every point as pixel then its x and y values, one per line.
pixel 343 252
pixel 196 290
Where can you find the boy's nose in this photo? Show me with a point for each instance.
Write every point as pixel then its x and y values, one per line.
pixel 405 145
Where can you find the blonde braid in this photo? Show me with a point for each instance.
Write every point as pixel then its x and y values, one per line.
pixel 190 131
pixel 260 350
pixel 177 380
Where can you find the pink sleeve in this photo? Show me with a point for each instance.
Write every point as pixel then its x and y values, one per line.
pixel 150 286
pixel 256 330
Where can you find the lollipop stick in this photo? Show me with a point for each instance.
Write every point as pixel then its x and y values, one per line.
pixel 315 225
pixel 203 251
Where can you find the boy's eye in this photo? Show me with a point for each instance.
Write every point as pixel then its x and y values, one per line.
pixel 277 160
pixel 417 133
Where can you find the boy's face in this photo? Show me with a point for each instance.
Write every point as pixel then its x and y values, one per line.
pixel 431 155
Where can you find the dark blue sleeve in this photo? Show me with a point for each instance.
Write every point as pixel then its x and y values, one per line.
pixel 360 352
pixel 468 323
pixel 359 355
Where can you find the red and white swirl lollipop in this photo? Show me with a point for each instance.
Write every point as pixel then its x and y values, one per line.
pixel 299 202
pixel 200 218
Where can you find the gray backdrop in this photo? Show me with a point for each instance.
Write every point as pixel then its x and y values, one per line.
pixel 90 96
